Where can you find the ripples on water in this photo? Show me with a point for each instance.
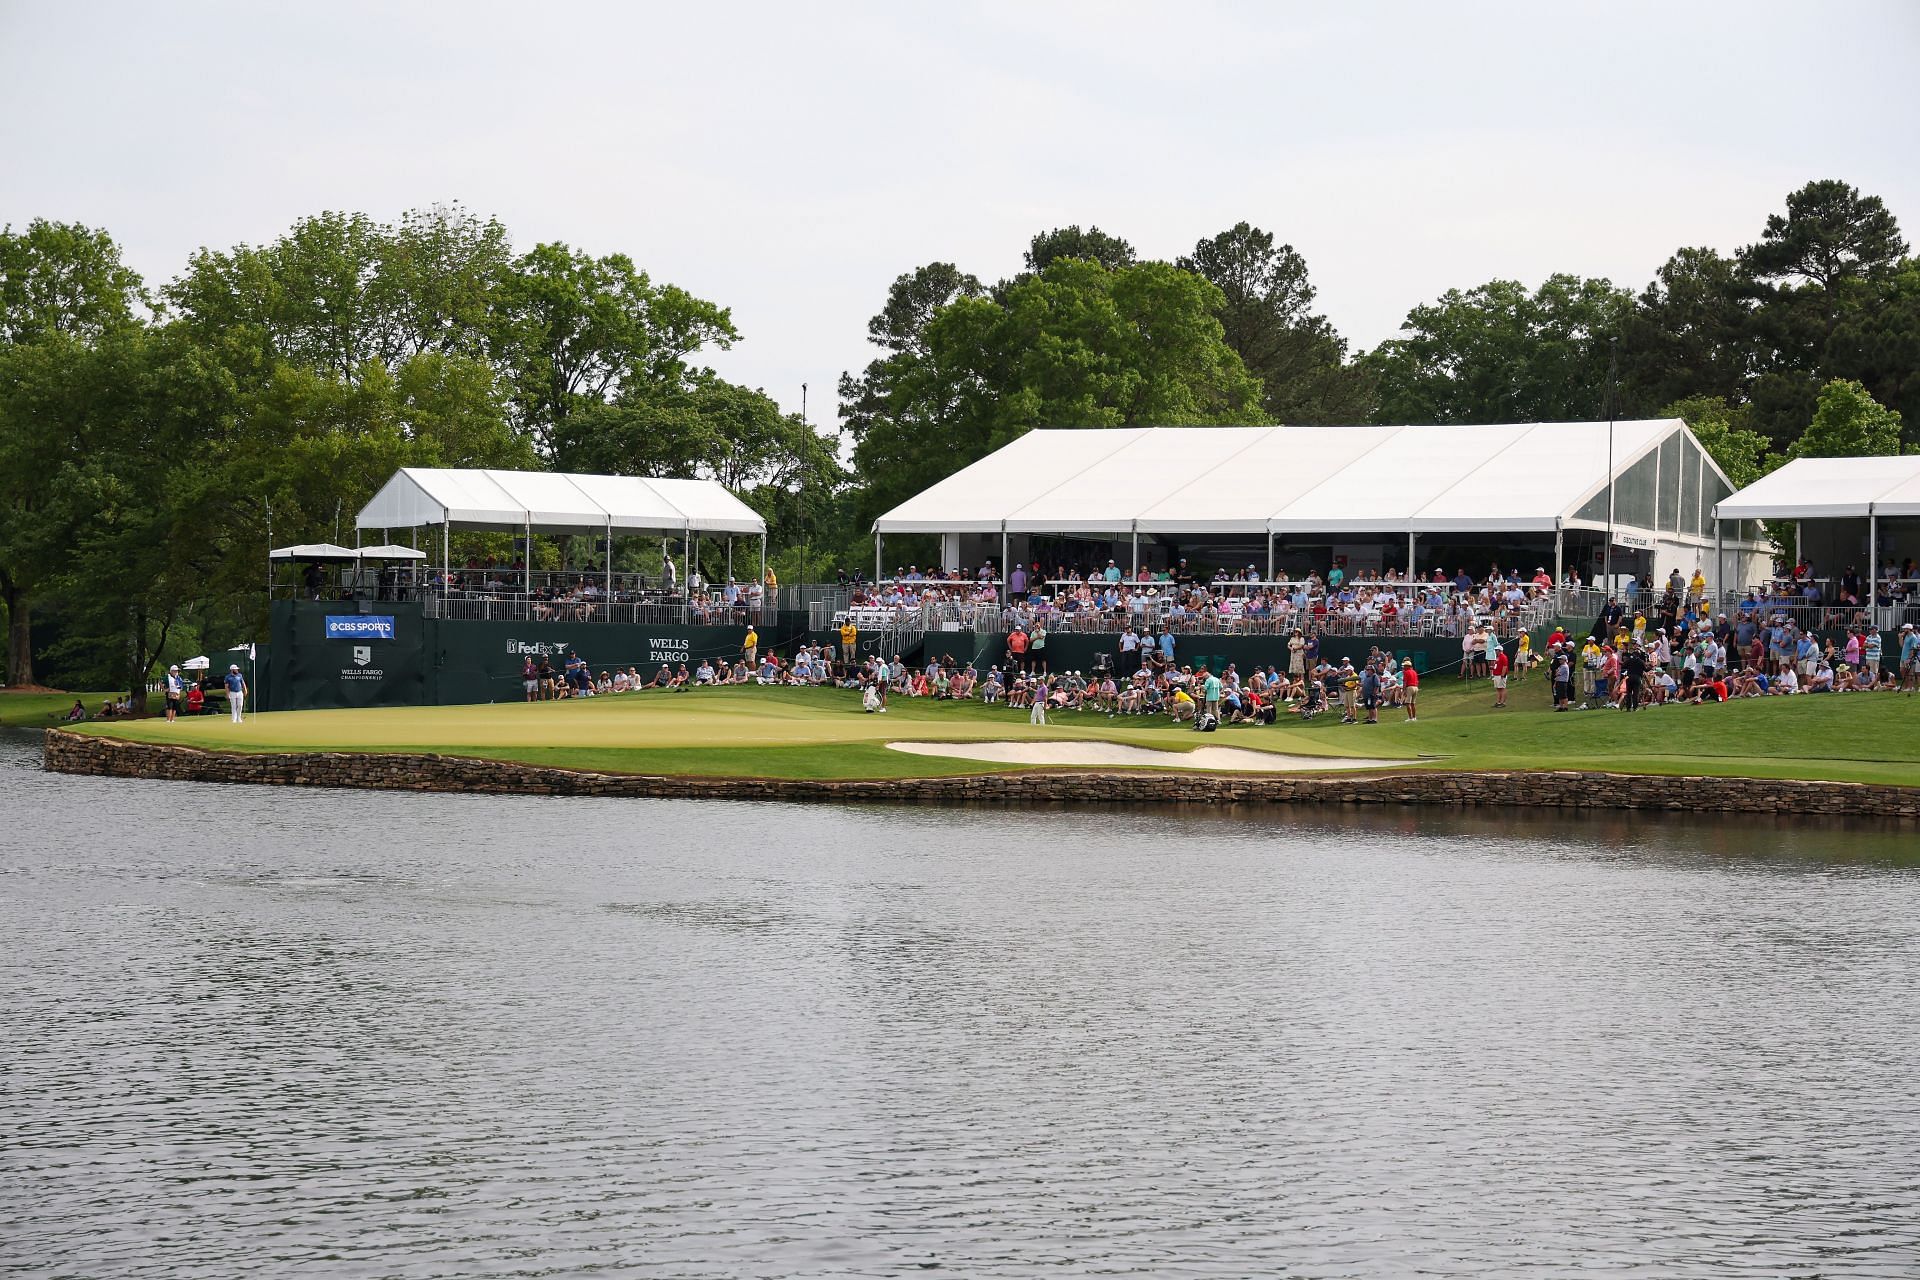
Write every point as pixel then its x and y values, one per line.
pixel 298 1032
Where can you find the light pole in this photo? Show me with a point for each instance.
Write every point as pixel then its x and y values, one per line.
pixel 1606 556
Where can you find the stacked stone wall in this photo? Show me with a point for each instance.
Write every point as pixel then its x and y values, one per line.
pixel 68 752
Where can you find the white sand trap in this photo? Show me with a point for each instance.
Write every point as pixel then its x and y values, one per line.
pixel 1226 759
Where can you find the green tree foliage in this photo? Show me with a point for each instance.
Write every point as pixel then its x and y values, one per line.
pixel 1831 303
pixel 62 286
pixel 1090 245
pixel 1077 345
pixel 1499 353
pixel 1268 321
pixel 1848 423
pixel 1688 335
pixel 572 333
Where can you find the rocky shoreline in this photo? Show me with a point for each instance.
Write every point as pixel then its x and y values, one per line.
pixel 68 752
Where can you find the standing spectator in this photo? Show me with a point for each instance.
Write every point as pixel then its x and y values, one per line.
pixel 1409 688
pixel 176 689
pixel 236 692
pixel 1210 697
pixel 668 575
pixel 1370 691
pixel 1499 669
pixel 849 642
pixel 750 646
pixel 1017 649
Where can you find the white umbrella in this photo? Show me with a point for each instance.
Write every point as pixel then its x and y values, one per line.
pixel 196 664
pixel 390 551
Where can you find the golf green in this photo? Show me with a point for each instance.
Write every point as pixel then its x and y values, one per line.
pixel 823 733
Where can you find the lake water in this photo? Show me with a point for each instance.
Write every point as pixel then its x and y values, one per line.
pixel 284 1032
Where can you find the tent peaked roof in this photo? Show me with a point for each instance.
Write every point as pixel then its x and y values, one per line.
pixel 1527 476
pixel 555 502
pixel 1830 488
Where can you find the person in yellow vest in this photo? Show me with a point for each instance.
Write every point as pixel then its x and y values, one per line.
pixel 1523 658
pixel 751 645
pixel 1698 587
pixel 849 642
pixel 771 582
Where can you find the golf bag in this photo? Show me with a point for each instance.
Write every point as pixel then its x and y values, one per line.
pixel 1207 723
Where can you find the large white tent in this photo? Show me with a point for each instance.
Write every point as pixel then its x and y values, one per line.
pixel 1830 489
pixel 1848 500
pixel 1287 481
pixel 534 502
pixel 555 502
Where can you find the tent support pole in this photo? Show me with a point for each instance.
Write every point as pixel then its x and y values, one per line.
pixel 729 559
pixel 1796 543
pixel 1269 555
pixel 609 566
pixel 686 573
pixel 879 544
pixel 1410 554
pixel 1873 562
pixel 446 561
pixel 526 563
pixel 762 587
pixel 1559 556
pixel 1136 551
pixel 1719 559
pixel 1005 570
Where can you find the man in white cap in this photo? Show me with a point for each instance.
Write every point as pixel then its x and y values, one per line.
pixel 236 691
pixel 176 688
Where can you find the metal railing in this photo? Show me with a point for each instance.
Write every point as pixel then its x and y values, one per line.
pixel 666 612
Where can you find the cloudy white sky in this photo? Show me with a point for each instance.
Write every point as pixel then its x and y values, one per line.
pixel 790 160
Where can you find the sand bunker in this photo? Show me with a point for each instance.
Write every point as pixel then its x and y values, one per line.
pixel 1227 759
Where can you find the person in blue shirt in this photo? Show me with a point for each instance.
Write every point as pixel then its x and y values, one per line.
pixel 1210 698
pixel 1166 644
pixel 236 692
pixel 1909 657
pixel 1113 572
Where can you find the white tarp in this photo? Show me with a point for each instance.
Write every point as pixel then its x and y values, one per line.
pixel 1830 489
pixel 555 502
pixel 313 553
pixel 390 551
pixel 1251 480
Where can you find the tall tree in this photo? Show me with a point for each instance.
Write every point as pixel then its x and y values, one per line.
pixel 1090 245
pixel 62 288
pixel 1689 334
pixel 1848 423
pixel 572 332
pixel 1077 345
pixel 1826 278
pixel 1499 353
pixel 1268 319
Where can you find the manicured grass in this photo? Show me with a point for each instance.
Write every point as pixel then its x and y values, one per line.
pixel 1868 737
pixel 38 710
pixel 817 733
pixel 750 732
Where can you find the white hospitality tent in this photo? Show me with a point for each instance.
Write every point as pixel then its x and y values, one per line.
pixel 533 502
pixel 1850 502
pixel 1650 482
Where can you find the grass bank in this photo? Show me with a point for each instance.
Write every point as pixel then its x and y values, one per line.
pixel 814 733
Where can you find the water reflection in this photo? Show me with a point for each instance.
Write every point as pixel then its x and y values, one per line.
pixel 413 1035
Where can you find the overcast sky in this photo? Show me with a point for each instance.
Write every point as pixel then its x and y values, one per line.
pixel 788 161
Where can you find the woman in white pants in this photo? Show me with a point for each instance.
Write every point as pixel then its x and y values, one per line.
pixel 1039 713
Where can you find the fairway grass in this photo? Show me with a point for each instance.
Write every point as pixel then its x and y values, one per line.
pixel 823 734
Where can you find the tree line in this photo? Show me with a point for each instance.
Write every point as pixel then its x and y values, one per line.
pixel 151 436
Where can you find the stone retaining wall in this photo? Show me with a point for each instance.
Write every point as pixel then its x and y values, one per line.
pixel 109 757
